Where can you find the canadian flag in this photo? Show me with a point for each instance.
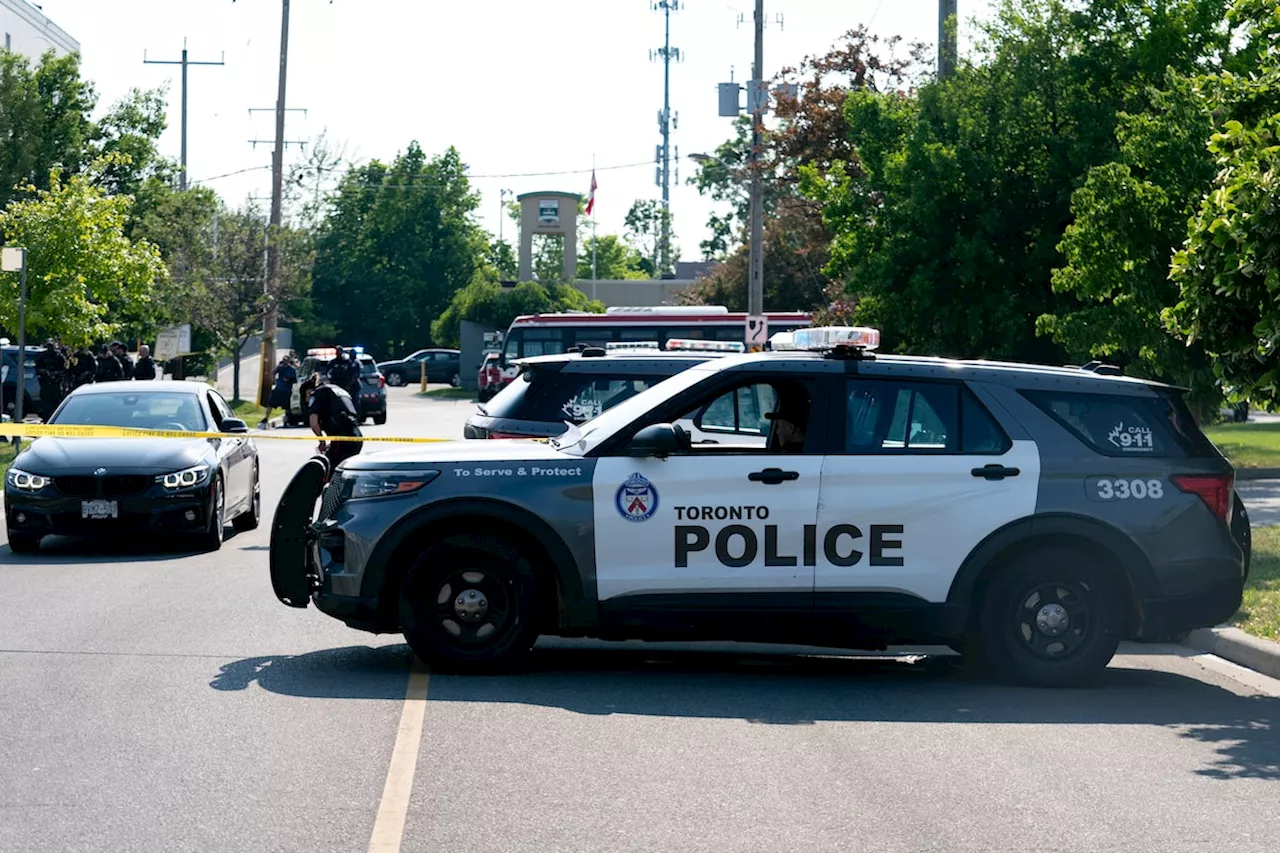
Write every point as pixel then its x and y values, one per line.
pixel 591 196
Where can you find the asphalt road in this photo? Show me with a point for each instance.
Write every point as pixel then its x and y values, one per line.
pixel 153 700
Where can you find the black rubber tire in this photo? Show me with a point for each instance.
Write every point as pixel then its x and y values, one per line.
pixel 1095 594
pixel 252 517
pixel 380 418
pixel 23 543
pixel 395 379
pixel 455 381
pixel 211 538
pixel 425 632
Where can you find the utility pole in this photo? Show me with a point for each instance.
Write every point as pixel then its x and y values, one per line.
pixel 757 96
pixel 271 317
pixel 947 25
pixel 667 54
pixel 184 62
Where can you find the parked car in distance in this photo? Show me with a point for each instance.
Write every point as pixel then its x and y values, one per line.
pixel 489 379
pixel 443 365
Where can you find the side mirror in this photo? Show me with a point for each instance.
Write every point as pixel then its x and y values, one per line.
pixel 655 440
pixel 233 425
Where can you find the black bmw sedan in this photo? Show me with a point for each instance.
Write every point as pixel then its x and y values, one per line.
pixel 98 487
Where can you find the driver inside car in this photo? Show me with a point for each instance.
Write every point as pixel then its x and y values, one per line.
pixel 789 420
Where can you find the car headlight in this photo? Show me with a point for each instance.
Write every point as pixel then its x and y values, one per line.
pixel 184 479
pixel 381 484
pixel 24 482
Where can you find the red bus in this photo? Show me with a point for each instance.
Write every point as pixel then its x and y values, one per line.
pixel 551 334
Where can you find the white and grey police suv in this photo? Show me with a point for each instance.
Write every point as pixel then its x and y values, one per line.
pixel 1030 517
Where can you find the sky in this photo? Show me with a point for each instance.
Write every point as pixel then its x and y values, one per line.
pixel 517 86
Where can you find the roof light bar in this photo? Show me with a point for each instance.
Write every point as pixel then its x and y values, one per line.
pixel 693 345
pixel 617 346
pixel 826 338
pixel 781 341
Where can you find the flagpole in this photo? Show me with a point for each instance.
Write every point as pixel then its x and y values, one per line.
pixel 593 226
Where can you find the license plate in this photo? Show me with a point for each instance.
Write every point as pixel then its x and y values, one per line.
pixel 99 509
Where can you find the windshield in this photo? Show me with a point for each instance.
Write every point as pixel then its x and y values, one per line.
pixel 596 430
pixel 159 410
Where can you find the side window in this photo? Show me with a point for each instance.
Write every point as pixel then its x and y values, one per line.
pixel 1126 425
pixel 739 411
pixel 889 416
pixel 221 411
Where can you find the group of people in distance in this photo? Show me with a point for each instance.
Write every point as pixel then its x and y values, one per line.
pixel 60 370
pixel 328 406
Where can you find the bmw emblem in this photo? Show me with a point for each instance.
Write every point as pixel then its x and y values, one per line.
pixel 637 499
pixel 99 472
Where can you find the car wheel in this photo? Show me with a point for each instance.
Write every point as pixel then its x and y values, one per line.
pixel 380 418
pixel 455 380
pixel 252 517
pixel 211 538
pixel 395 379
pixel 23 543
pixel 468 608
pixel 1051 618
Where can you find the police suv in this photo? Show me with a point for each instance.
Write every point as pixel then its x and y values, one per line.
pixel 1030 517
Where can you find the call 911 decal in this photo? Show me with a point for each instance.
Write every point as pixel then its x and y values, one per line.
pixel 1106 489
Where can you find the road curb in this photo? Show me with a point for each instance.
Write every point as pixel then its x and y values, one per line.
pixel 1238 647
pixel 1258 473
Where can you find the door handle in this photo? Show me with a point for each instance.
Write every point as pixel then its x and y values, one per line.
pixel 995 472
pixel 773 476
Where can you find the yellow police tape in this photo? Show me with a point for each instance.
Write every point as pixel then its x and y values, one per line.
pixel 12 430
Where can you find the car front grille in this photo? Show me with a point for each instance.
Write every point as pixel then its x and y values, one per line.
pixel 118 486
pixel 330 499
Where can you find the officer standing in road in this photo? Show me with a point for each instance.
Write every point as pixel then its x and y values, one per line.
pixel 146 367
pixel 121 352
pixel 51 372
pixel 286 376
pixel 331 411
pixel 84 367
pixel 109 368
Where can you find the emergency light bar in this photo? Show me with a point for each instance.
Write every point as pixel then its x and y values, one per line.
pixel 693 345
pixel 826 338
pixel 616 346
pixel 781 341
pixel 332 352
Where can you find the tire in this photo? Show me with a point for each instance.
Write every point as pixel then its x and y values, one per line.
pixel 455 381
pixel 380 418
pixel 252 517
pixel 1051 618
pixel 395 379
pixel 481 585
pixel 211 538
pixel 23 543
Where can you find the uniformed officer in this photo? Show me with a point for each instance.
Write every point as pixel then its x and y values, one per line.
pixel 84 367
pixel 121 352
pixel 331 411
pixel 51 373
pixel 286 376
pixel 146 367
pixel 790 419
pixel 109 368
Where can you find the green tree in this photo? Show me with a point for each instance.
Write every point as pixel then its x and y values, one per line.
pixel 644 233
pixel 487 302
pixel 1228 270
pixel 398 242
pixel 84 272
pixel 614 259
pixel 946 228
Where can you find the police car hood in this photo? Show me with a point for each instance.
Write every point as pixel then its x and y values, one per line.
pixel 475 450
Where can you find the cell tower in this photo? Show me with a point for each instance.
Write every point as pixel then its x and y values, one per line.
pixel 666 123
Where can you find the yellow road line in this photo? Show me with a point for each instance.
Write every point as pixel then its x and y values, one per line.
pixel 388 828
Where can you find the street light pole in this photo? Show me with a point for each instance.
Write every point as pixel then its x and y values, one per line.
pixel 755 279
pixel 271 317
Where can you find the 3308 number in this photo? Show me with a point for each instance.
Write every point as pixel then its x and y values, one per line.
pixel 1130 489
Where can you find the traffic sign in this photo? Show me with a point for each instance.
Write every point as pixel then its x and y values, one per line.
pixel 757 332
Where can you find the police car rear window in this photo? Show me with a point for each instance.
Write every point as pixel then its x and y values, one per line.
pixel 1122 425
pixel 555 397
pixel 886 416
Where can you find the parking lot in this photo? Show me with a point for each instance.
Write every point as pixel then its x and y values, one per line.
pixel 155 699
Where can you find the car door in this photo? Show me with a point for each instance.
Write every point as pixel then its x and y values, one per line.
pixel 720 526
pixel 235 450
pixel 923 475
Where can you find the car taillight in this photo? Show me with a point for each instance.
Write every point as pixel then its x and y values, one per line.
pixel 382 381
pixel 1214 489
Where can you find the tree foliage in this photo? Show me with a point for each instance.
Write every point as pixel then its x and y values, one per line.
pixel 1229 267
pixel 487 302
pixel 84 272
pixel 644 234
pixel 398 242
pixel 614 259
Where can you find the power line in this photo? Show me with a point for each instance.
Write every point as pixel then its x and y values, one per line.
pixel 231 174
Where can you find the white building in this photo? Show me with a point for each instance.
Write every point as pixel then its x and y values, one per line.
pixel 26 30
